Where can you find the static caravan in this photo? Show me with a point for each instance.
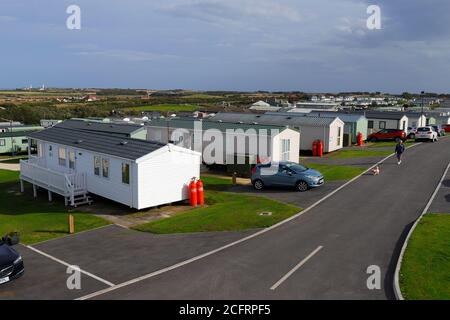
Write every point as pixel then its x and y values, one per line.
pixel 353 123
pixel 133 131
pixel 240 143
pixel 14 139
pixel 329 130
pixel 136 173
pixel 385 120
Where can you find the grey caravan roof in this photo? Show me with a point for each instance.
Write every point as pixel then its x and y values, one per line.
pixel 188 123
pixel 126 148
pixel 274 119
pixel 104 127
pixel 383 115
pixel 346 117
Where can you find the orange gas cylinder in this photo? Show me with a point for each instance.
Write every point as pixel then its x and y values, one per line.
pixel 320 148
pixel 360 139
pixel 200 193
pixel 314 148
pixel 193 197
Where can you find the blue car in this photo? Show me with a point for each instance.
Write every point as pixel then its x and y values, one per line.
pixel 285 174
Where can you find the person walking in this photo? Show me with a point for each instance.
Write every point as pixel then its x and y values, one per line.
pixel 399 150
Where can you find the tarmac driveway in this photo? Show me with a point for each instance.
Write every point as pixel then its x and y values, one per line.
pixel 112 254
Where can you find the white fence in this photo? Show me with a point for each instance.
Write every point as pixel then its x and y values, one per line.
pixel 65 184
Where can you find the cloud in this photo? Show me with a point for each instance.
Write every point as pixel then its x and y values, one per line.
pixel 121 54
pixel 233 12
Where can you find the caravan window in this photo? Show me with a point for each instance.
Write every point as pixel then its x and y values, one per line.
pixel 2 142
pixel 105 166
pixel 62 156
pixel 72 159
pixel 96 165
pixel 285 149
pixel 126 173
pixel 339 136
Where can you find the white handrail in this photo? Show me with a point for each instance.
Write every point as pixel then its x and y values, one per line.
pixel 67 184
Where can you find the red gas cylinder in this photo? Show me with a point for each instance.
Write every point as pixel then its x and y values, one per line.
pixel 200 193
pixel 193 197
pixel 314 148
pixel 360 139
pixel 320 148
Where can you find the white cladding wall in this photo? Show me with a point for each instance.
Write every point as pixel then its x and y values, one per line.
pixel 294 138
pixel 328 134
pixel 162 134
pixel 110 187
pixel 164 176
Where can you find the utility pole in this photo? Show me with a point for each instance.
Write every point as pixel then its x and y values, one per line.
pixel 422 94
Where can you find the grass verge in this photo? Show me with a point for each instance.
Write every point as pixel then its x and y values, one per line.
pixel 36 219
pixel 425 272
pixel 224 212
pixel 362 153
pixel 334 173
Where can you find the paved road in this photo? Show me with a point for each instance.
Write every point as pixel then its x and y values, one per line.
pixel 362 225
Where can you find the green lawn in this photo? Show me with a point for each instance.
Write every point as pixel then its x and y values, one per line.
pixel 425 272
pixel 224 212
pixel 362 153
pixel 387 144
pixel 165 108
pixel 333 173
pixel 36 219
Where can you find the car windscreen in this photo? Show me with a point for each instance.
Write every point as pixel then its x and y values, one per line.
pixel 296 167
pixel 423 129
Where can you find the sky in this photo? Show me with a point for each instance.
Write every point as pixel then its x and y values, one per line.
pixel 245 45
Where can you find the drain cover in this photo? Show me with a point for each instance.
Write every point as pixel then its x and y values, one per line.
pixel 265 214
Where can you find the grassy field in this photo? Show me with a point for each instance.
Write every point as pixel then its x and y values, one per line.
pixel 224 212
pixel 165 108
pixel 333 173
pixel 362 153
pixel 36 219
pixel 425 272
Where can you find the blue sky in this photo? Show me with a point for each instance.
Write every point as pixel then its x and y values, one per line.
pixel 305 45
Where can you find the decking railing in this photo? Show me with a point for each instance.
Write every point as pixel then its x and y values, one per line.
pixel 65 184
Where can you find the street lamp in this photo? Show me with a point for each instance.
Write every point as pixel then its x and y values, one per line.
pixel 10 131
pixel 422 94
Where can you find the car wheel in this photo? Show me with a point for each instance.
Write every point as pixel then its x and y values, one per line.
pixel 258 184
pixel 412 136
pixel 302 186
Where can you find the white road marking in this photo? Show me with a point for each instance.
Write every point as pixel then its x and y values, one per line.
pixel 110 284
pixel 254 235
pixel 298 266
pixel 398 292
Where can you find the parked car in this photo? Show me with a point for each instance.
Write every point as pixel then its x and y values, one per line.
pixel 439 130
pixel 11 263
pixel 387 134
pixel 426 133
pixel 411 132
pixel 446 128
pixel 285 174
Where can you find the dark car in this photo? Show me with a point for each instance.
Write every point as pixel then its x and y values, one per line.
pixel 387 134
pixel 440 131
pixel 11 264
pixel 285 174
